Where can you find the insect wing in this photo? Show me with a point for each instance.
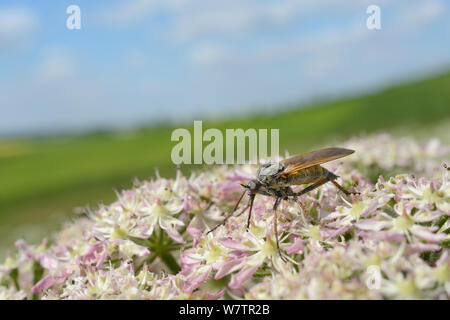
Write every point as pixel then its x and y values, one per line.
pixel 294 164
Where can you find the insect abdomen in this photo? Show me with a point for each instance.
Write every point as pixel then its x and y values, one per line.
pixel 308 175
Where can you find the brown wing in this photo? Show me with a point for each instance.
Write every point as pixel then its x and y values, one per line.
pixel 294 164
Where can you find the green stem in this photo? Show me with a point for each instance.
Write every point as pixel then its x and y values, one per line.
pixel 14 274
pixel 169 261
pixel 160 245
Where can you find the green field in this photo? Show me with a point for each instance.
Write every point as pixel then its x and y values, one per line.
pixel 42 179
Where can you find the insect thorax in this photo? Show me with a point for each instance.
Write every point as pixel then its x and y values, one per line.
pixel 268 171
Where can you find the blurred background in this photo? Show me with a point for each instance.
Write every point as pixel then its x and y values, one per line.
pixel 84 112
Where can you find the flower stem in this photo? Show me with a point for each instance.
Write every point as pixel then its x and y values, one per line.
pixel 169 261
pixel 161 248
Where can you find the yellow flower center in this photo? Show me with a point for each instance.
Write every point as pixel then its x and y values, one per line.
pixel 314 233
pixel 259 232
pixel 403 223
pixel 407 288
pixel 373 260
pixel 269 249
pixel 159 211
pixel 9 263
pixel 214 254
pixel 356 210
pixel 442 273
pixel 118 233
pixel 432 196
pixel 165 193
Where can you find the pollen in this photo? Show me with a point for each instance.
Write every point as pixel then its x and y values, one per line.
pixel 442 273
pixel 403 223
pixel 269 249
pixel 159 211
pixel 118 233
pixel 433 196
pixel 314 233
pixel 357 210
pixel 407 288
pixel 214 254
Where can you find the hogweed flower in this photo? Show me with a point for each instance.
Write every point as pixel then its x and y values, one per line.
pixel 152 243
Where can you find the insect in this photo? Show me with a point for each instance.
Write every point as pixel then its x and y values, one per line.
pixel 275 180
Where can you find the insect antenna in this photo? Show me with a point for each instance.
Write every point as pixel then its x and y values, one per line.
pixel 230 214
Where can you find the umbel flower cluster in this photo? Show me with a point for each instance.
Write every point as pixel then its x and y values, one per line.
pixel 391 241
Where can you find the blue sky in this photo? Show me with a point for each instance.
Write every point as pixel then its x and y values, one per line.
pixel 142 61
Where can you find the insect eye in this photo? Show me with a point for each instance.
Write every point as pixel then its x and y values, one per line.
pixel 252 185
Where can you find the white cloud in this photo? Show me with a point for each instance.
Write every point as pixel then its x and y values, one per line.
pixel 56 64
pixel 321 44
pixel 234 62
pixel 206 18
pixel 197 18
pixel 335 60
pixel 133 11
pixel 17 27
pixel 208 54
pixel 135 59
pixel 212 18
pixel 422 13
pixel 194 19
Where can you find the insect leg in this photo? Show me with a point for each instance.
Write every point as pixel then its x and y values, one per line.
pixel 311 187
pixel 303 207
pixel 229 215
pixel 252 198
pixel 243 210
pixel 275 206
pixel 342 188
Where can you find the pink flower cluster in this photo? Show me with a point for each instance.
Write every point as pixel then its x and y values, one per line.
pixel 389 242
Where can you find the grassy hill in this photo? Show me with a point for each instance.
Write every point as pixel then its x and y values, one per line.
pixel 43 179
